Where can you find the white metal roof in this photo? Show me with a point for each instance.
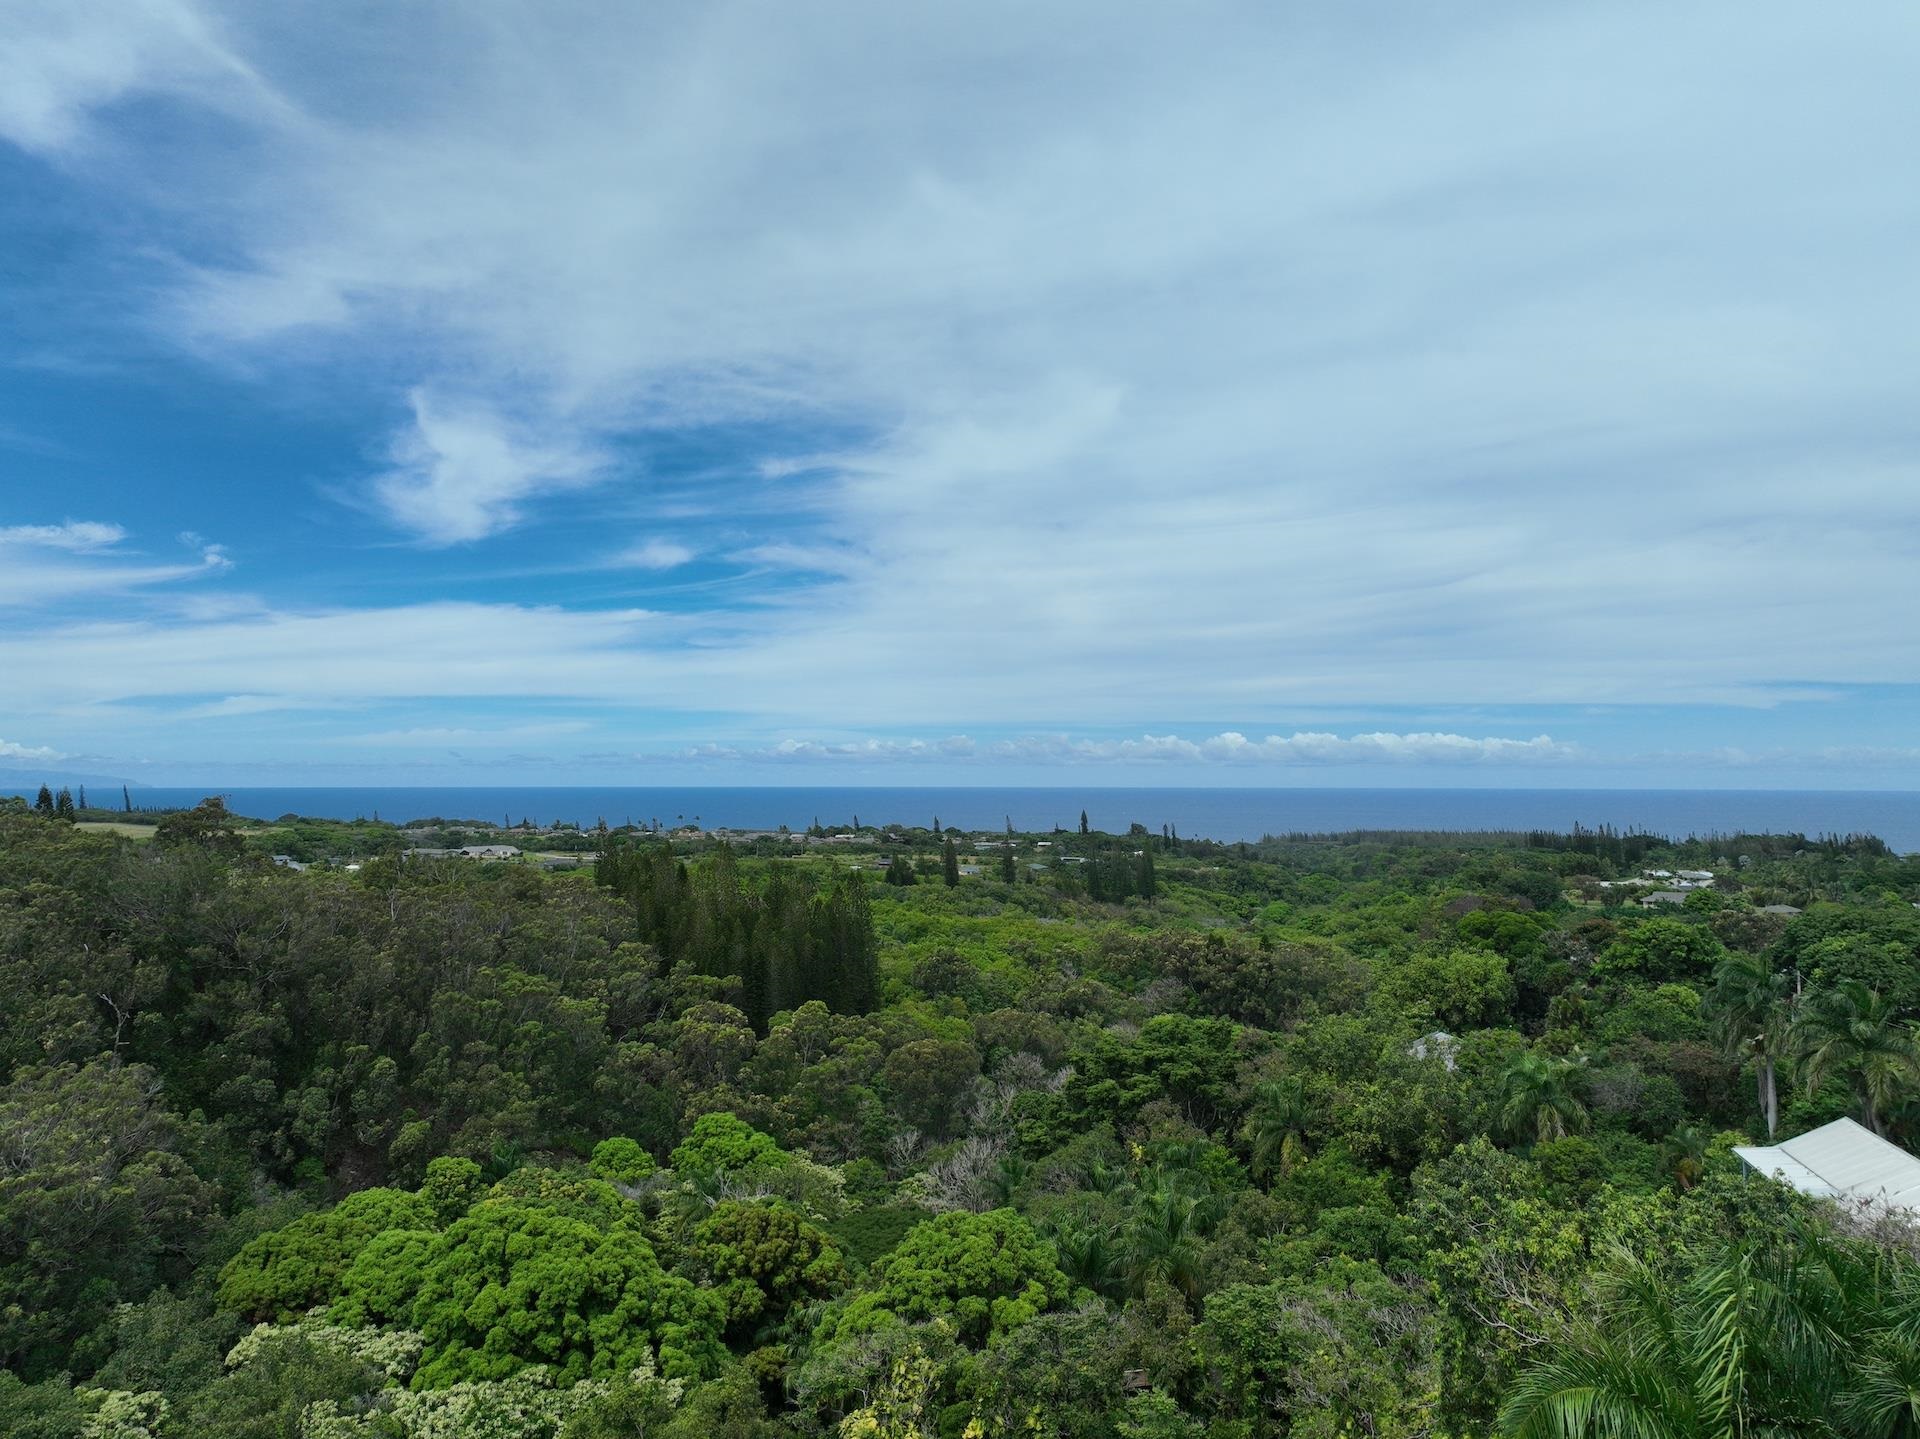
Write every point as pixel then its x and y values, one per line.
pixel 1841 1160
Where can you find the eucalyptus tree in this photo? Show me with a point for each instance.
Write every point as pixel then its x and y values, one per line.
pixel 1751 1009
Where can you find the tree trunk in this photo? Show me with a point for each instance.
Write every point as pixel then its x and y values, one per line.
pixel 1769 1098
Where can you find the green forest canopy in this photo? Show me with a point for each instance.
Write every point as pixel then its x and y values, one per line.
pixel 1387 1135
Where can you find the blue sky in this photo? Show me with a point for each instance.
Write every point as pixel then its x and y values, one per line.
pixel 751 393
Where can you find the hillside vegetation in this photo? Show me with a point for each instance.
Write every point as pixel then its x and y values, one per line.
pixel 923 1134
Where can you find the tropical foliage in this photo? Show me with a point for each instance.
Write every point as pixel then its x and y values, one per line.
pixel 1103 1135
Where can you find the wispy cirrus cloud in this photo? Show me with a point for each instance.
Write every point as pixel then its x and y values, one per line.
pixel 445 736
pixel 461 471
pixel 72 536
pixel 655 554
pixel 1305 748
pixel 44 564
pixel 1261 365
pixel 64 62
pixel 1227 748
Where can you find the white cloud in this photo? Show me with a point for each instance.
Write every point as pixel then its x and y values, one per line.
pixel 1231 747
pixel 74 536
pixel 460 471
pixel 10 750
pixel 786 555
pixel 213 557
pixel 1228 748
pixel 446 650
pixel 42 565
pixel 63 60
pixel 655 554
pixel 245 706
pixel 1251 359
pixel 440 736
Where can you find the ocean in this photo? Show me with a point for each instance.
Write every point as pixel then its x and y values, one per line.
pixel 1221 814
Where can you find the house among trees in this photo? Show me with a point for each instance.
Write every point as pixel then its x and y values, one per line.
pixel 468 851
pixel 1843 1161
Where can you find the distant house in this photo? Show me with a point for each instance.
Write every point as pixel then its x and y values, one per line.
pixel 1843 1161
pixel 1696 875
pixel 287 861
pixel 489 851
pixel 1662 896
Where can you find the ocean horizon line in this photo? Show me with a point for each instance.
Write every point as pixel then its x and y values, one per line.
pixel 1225 813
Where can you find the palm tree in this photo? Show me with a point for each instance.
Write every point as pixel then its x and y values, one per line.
pixel 1849 1032
pixel 1685 1155
pixel 1276 1127
pixel 1166 1236
pixel 1537 1099
pixel 1751 1010
pixel 1781 1336
pixel 1092 1258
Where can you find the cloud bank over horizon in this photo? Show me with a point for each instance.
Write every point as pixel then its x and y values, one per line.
pixel 565 391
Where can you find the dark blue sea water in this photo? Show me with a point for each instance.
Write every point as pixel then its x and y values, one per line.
pixel 1223 814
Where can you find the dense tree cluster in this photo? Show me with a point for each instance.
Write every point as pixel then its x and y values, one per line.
pixel 782 938
pixel 1374 1136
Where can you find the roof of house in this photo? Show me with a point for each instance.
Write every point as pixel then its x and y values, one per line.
pixel 1841 1160
pixel 1663 896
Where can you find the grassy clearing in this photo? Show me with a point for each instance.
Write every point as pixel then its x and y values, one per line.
pixel 105 826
